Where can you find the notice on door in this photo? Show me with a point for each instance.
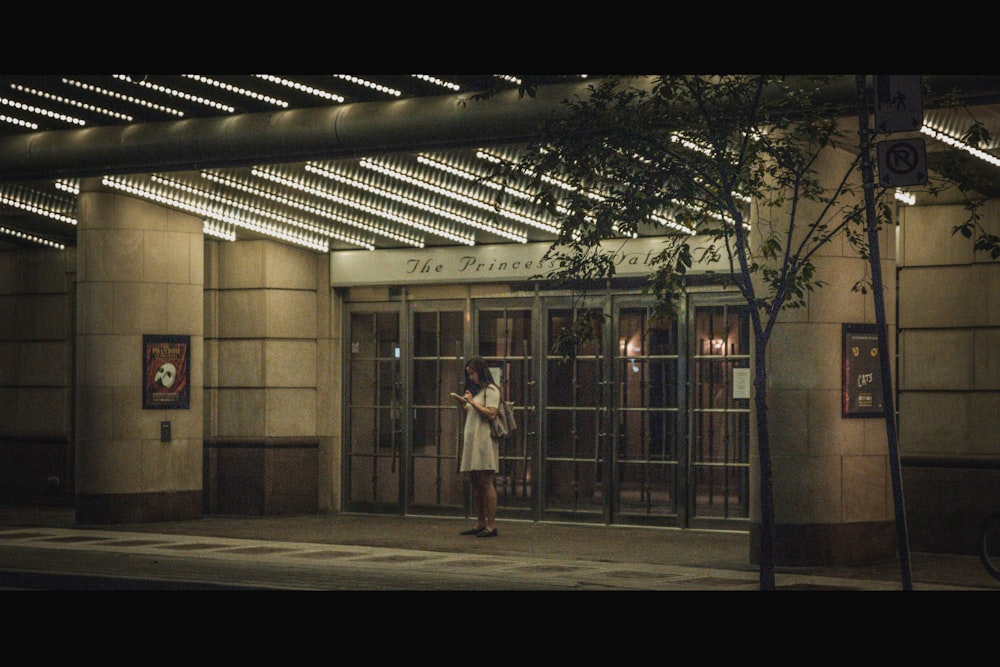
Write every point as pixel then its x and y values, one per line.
pixel 741 383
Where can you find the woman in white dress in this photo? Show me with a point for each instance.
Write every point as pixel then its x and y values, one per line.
pixel 480 452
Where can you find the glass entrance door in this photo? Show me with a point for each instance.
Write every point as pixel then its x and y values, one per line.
pixel 719 348
pixel 648 423
pixel 612 416
pixel 647 404
pixel 374 434
pixel 505 338
pixel 576 423
pixel 438 361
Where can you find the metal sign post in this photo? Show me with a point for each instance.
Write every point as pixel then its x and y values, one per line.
pixel 877 292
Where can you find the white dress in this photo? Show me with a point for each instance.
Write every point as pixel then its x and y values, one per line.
pixel 479 450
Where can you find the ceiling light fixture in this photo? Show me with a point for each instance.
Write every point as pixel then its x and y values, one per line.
pixel 488 205
pixel 423 184
pixel 213 212
pixel 70 185
pixel 437 230
pixel 301 87
pixel 218 229
pixel 325 213
pixel 70 102
pixel 332 174
pixel 121 96
pixel 261 212
pixel 958 143
pixel 32 238
pixel 450 85
pixel 173 92
pixel 369 84
pixel 42 112
pixel 238 90
pixel 39 203
pixel 509 78
pixel 18 122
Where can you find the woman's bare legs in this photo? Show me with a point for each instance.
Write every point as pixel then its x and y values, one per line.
pixel 489 499
pixel 486 498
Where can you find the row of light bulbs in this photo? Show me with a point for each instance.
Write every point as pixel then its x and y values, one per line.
pixel 216 105
pixel 368 222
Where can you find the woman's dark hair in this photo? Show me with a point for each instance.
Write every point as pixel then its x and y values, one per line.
pixel 478 364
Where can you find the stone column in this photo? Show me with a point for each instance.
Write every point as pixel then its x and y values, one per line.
pixel 140 271
pixel 831 475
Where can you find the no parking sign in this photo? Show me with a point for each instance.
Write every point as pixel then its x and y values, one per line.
pixel 902 162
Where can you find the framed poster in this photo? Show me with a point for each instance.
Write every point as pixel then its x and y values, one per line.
pixel 862 381
pixel 166 362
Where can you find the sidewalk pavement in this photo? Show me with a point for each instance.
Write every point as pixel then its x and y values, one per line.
pixel 46 548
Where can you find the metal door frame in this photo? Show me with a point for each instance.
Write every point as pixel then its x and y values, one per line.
pixel 347 427
pixel 696 300
pixel 411 310
pixel 610 303
pixel 525 405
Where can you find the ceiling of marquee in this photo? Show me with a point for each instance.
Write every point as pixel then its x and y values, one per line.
pixel 415 199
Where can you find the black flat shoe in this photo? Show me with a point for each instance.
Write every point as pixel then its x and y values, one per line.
pixel 487 533
pixel 472 531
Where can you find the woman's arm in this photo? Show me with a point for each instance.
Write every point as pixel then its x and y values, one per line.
pixel 491 402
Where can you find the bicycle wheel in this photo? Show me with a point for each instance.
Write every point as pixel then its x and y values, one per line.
pixel 989 545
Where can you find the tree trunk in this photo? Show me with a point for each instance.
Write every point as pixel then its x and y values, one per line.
pixel 767 532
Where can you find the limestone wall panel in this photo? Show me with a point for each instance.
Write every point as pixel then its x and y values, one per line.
pixel 110 361
pixel 243 314
pixel 166 257
pixel 937 359
pixel 43 411
pixel 114 255
pixel 184 309
pixel 44 317
pixel 807 489
pixel 287 267
pixel 210 314
pixel 835 301
pixel 983 435
pixel 41 364
pixel 10 328
pixel 242 412
pixel 95 419
pixel 937 423
pixel 829 432
pixel 940 297
pixel 241 265
pixel 109 466
pixel 291 314
pixel 241 363
pixel 927 240
pixel 98 316
pixel 9 367
pixel 172 466
pixel 140 308
pixel 790 434
pixel 809 359
pixel 42 271
pixel 865 489
pixel 290 363
pixel 291 413
pixel 986 351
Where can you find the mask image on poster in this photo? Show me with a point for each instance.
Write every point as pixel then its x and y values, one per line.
pixel 166 375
